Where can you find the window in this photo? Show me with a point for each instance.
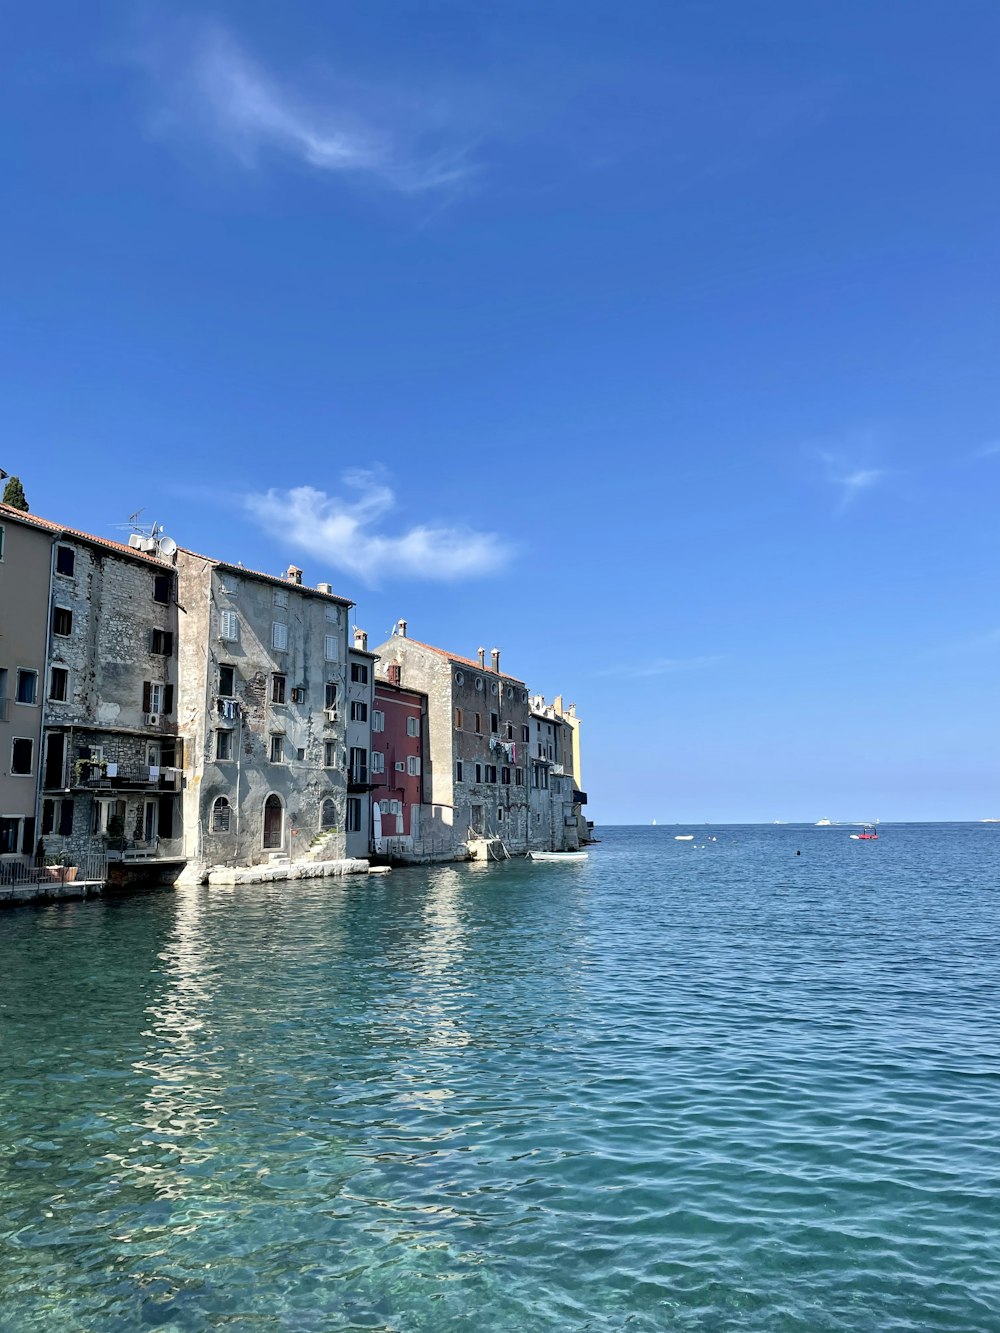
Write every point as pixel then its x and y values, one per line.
pixel 62 621
pixel 27 686
pixel 494 724
pixel 330 614
pixel 223 745
pixel 459 770
pixel 493 687
pixel 479 772
pixel 65 818
pixel 300 754
pixel 227 681
pixel 458 719
pixel 359 673
pixel 298 695
pixel 353 814
pixel 505 776
pixel 359 764
pixel 459 677
pixel 9 829
pixel 331 694
pixel 59 685
pixel 221 812
pixel 328 814
pixel 277 688
pixel 65 560
pixel 479 683
pixel 525 734
pixel 359 711
pixel 229 625
pixel 281 597
pixel 330 649
pixel 491 772
pixel 279 636
pixel 162 586
pixel 479 724
pixel 48 817
pixel 413 726
pixel 378 761
pixel 157 698
pixel 518 777
pixel 378 720
pixel 500 814
pixel 508 731
pixel 329 754
pixel 277 749
pixel 413 765
pixel 162 641
pixel 21 754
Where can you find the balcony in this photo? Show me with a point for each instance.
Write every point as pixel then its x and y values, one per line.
pixel 357 778
pixel 126 777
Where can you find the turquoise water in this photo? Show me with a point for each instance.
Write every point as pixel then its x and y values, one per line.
pixel 709 1086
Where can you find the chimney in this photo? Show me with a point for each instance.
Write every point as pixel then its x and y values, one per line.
pixel 558 704
pixel 325 587
pixel 294 574
pixel 495 659
pixel 395 673
pixel 360 640
pixel 401 628
pixel 481 654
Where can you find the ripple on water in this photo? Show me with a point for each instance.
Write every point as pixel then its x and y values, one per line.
pixel 727 1090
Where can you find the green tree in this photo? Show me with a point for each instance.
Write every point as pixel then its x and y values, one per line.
pixel 13 494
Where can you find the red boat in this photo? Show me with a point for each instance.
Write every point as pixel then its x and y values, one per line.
pixel 869 833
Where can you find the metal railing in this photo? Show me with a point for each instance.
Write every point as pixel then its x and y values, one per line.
pixel 92 868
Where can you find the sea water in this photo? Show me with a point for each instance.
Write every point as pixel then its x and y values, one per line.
pixel 709 1085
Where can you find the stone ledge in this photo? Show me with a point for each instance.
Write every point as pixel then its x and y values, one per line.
pixel 228 876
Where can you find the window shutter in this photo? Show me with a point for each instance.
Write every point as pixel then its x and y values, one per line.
pixel 168 698
pixel 146 694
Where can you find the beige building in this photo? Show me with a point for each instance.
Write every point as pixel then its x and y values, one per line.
pixel 26 554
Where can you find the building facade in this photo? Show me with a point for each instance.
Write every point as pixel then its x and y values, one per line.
pixel 262 713
pixel 26 555
pixel 360 774
pixel 553 825
pixel 112 760
pixel 477 724
pixel 399 734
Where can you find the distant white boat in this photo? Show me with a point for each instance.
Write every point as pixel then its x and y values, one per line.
pixel 824 823
pixel 558 856
pixel 683 837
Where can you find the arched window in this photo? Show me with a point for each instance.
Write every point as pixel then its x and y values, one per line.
pixel 221 812
pixel 328 815
pixel 274 822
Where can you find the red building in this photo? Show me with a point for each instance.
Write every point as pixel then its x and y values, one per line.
pixel 399 727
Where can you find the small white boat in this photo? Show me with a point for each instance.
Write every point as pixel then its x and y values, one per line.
pixel 558 856
pixel 683 837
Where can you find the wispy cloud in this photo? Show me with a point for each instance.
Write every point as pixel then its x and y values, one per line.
pixel 988 450
pixel 212 84
pixel 849 479
pixel 662 666
pixel 344 532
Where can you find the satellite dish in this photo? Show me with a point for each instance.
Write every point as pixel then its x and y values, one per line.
pixel 167 546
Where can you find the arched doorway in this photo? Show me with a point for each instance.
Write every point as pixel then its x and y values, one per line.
pixel 274 823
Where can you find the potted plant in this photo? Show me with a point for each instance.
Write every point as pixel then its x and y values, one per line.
pixel 61 872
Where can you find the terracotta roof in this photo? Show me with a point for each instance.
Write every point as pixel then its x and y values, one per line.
pixel 465 661
pixel 281 581
pixel 33 520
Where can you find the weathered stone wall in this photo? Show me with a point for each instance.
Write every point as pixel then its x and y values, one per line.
pixel 302 781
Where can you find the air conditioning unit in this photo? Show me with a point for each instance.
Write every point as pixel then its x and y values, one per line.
pixel 331 715
pixel 152 719
pixel 400 766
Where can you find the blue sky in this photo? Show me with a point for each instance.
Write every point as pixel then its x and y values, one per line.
pixel 655 344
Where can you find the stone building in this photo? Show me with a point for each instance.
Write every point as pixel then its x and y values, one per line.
pixel 477 724
pixel 26 557
pixel 553 825
pixel 360 776
pixel 262 713
pixel 111 765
